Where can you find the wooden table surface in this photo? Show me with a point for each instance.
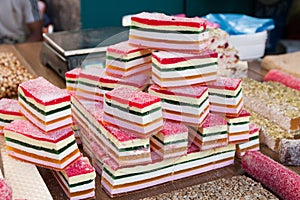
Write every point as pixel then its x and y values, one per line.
pixel 30 52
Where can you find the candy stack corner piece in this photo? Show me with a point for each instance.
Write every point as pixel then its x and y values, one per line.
pixel 226 97
pixel 238 127
pixel 72 79
pixel 211 134
pixel 161 32
pixel 189 105
pixel 171 141
pixel 123 60
pixel 125 148
pixel 137 112
pixel 45 105
pixel 88 82
pixel 78 179
pixel 108 82
pixel 9 111
pixel 174 69
pixel 252 144
pixel 54 150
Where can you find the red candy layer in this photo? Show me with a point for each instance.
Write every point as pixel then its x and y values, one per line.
pixel 172 128
pixel 44 92
pixel 24 127
pixel 283 78
pixel 213 120
pixel 10 107
pixel 273 175
pixel 174 57
pixel 225 83
pixel 79 167
pixel 73 73
pixel 253 129
pixel 191 91
pixel 132 97
pixel 159 19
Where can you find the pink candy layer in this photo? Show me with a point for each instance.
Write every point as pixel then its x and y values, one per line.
pixel 225 83
pixel 283 78
pixel 132 97
pixel 176 57
pixel 171 128
pixel 80 166
pixel 273 175
pixel 160 19
pixel 26 128
pixel 44 92
pixel 123 48
pixel 213 120
pixel 10 106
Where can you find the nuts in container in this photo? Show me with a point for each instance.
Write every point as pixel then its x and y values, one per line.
pixel 12 73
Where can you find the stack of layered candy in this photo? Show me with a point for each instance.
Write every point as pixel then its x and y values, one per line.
pixel 185 122
pixel 37 129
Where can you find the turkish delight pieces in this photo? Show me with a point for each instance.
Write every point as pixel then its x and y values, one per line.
pixel 211 134
pixel 123 59
pixel 137 112
pixel 289 152
pixel 9 111
pixel 118 181
pixel 171 69
pixel 171 141
pixel 44 104
pixel 88 81
pixel 78 179
pixel 187 104
pixel 252 144
pixel 125 148
pixel 162 32
pixel 54 150
pixel 238 127
pixel 122 146
pixel 72 79
pixel 225 96
pixel 279 179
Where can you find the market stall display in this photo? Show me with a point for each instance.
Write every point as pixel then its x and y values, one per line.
pixel 129 164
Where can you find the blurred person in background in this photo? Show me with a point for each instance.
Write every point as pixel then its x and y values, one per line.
pixel 20 21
